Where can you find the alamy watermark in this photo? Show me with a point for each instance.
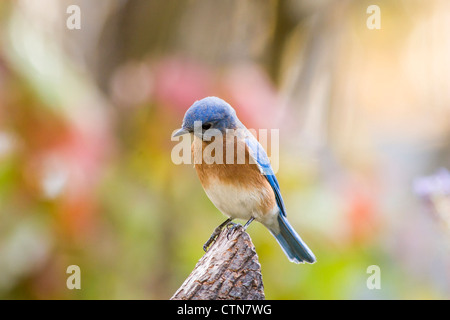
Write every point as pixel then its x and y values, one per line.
pixel 74 20
pixel 374 20
pixel 74 280
pixel 374 280
pixel 234 146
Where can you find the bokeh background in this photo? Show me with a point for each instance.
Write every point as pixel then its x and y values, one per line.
pixel 86 118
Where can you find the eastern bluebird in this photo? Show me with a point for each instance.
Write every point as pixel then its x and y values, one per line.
pixel 240 188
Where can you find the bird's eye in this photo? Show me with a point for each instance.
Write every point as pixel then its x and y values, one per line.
pixel 206 126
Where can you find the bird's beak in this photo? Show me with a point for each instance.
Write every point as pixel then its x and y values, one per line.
pixel 180 132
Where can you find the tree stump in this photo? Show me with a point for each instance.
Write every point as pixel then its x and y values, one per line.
pixel 229 270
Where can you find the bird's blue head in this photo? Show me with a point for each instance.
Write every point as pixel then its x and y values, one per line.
pixel 208 113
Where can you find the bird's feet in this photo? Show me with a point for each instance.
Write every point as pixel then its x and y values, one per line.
pixel 211 239
pixel 215 234
pixel 231 226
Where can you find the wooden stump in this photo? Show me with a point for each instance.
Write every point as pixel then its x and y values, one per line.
pixel 229 270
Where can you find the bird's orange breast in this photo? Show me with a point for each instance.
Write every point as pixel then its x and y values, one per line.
pixel 245 176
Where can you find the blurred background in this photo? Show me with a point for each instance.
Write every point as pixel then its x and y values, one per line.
pixel 86 117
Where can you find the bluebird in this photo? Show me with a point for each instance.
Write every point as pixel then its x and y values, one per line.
pixel 245 188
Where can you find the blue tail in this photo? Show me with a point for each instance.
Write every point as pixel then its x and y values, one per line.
pixel 291 243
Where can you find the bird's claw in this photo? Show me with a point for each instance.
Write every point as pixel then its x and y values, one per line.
pixel 211 239
pixel 231 226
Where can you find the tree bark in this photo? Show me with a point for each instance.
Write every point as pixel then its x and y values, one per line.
pixel 229 270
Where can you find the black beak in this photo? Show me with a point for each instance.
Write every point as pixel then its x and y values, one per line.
pixel 180 132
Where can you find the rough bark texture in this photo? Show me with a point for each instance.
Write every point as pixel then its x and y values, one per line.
pixel 229 270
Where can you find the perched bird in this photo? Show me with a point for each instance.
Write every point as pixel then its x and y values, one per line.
pixel 242 185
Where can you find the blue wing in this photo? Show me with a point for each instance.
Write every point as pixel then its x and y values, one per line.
pixel 262 160
pixel 294 247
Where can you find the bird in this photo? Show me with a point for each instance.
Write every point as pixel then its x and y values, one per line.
pixel 242 185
